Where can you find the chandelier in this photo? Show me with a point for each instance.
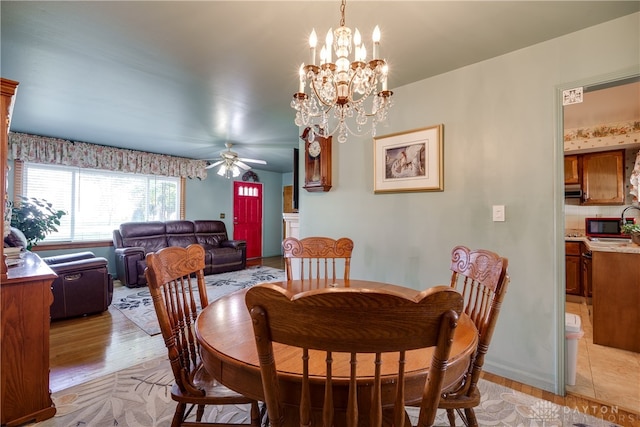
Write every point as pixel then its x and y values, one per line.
pixel 344 89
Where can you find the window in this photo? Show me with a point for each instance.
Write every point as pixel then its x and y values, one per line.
pixel 247 191
pixel 98 201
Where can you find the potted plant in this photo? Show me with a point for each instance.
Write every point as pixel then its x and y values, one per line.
pixel 35 218
pixel 632 230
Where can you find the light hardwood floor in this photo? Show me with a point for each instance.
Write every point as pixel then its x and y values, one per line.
pixel 86 348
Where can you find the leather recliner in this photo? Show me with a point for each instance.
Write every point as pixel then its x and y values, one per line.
pixel 83 286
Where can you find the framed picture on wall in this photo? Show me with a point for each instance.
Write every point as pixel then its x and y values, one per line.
pixel 409 161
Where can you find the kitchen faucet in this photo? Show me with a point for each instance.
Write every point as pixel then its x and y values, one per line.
pixel 622 221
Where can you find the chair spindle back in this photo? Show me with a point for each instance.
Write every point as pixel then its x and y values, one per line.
pixel 481 277
pixel 317 257
pixel 176 283
pixel 352 332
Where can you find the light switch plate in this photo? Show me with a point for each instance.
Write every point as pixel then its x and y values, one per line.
pixel 498 213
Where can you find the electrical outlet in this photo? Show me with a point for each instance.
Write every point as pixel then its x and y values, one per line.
pixel 221 216
pixel 498 213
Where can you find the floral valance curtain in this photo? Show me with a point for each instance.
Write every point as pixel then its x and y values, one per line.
pixel 41 149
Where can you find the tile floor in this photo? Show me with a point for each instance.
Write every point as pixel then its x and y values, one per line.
pixel 603 373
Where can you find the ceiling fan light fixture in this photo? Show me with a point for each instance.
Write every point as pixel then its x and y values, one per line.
pixel 344 86
pixel 229 170
pixel 231 164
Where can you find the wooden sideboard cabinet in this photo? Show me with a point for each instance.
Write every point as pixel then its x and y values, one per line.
pixel 573 268
pixel 25 300
pixel 603 178
pixel 7 95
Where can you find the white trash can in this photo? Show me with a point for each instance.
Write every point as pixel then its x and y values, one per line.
pixel 573 332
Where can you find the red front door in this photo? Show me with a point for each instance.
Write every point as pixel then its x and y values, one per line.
pixel 247 216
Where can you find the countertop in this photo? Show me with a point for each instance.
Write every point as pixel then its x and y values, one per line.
pixel 621 246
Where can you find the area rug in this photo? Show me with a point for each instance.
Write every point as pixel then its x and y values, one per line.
pixel 137 306
pixel 140 397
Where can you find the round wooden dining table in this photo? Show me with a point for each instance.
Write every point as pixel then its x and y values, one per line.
pixel 228 350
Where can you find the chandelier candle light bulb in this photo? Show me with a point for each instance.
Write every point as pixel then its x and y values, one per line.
pixel 346 90
pixel 301 73
pixel 385 71
pixel 357 40
pixel 313 42
pixel 376 42
pixel 328 42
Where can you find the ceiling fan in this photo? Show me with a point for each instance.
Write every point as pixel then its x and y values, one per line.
pixel 231 163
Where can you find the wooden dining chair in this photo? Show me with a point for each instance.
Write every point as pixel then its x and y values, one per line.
pixel 482 279
pixel 349 332
pixel 176 282
pixel 318 257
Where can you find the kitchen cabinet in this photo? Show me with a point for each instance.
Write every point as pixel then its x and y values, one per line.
pixel 616 299
pixel 587 288
pixel 573 269
pixel 603 178
pixel 571 170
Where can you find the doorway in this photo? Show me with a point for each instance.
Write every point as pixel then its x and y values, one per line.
pixel 247 216
pixel 603 373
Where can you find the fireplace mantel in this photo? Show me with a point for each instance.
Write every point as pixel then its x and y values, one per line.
pixel 291 224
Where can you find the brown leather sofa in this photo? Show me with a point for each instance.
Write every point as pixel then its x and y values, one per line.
pixel 84 285
pixel 133 240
